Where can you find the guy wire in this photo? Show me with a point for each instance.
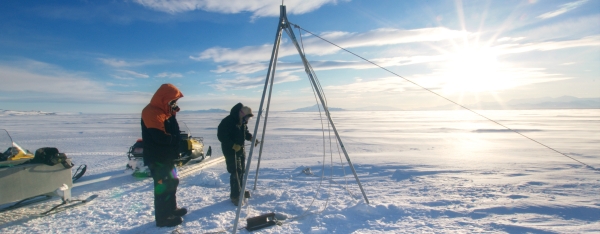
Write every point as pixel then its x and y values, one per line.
pixel 447 99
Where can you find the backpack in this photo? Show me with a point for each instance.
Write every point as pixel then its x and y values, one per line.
pixel 50 156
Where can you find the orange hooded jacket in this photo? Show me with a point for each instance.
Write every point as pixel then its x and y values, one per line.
pixel 160 143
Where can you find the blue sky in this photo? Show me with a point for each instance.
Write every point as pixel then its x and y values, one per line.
pixel 110 56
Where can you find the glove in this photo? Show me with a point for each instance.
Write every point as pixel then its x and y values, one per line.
pixel 256 143
pixel 236 147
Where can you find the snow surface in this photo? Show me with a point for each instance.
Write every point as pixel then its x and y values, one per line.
pixel 422 171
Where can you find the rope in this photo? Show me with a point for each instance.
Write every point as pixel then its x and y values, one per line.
pixel 304 213
pixel 447 99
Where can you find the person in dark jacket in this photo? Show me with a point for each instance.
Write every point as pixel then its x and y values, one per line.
pixel 160 135
pixel 232 132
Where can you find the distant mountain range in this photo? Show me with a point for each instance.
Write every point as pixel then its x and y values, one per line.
pixel 13 113
pixel 564 102
pixel 206 111
pixel 315 108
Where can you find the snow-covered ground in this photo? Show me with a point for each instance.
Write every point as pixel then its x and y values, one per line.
pixel 423 172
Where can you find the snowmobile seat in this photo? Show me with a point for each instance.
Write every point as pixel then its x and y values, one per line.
pixel 136 150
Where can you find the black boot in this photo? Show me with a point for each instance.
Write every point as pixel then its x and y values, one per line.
pixel 246 194
pixel 169 222
pixel 180 212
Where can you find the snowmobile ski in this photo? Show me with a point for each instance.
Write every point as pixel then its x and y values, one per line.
pixel 26 202
pixel 68 205
pixel 199 166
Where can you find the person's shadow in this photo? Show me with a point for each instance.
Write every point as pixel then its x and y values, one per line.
pixel 206 212
pixel 150 228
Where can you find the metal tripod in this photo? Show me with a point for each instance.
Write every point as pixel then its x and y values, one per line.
pixel 285 25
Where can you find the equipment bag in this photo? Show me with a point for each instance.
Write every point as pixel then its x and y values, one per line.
pixel 261 221
pixel 50 156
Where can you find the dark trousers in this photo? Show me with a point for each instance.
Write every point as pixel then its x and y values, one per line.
pixel 165 187
pixel 235 180
pixel 236 166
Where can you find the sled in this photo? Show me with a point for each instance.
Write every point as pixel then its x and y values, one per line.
pixel 27 179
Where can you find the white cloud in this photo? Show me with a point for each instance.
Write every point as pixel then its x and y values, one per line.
pixel 248 60
pixel 241 68
pixel 114 62
pixel 247 54
pixel 377 86
pixel 33 79
pixel 244 82
pixel 550 45
pixel 110 84
pixel 30 81
pixel 259 8
pixel 424 59
pixel 318 65
pixel 120 63
pixel 564 8
pixel 386 36
pixel 169 75
pixel 135 74
pixel 240 82
pixel 441 81
pixel 575 27
pixel 361 64
pixel 316 46
pixel 122 77
pixel 505 39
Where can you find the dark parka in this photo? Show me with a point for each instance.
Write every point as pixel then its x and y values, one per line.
pixel 232 131
pixel 160 130
pixel 160 135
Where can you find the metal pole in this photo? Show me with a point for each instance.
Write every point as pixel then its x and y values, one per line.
pixel 262 140
pixel 290 33
pixel 275 49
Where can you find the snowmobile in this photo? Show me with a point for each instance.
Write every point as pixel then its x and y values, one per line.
pixel 38 177
pixel 191 150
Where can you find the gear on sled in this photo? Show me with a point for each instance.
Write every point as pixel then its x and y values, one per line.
pixel 191 150
pixel 13 151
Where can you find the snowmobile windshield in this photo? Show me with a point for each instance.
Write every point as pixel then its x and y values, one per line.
pixel 185 129
pixel 17 148
pixel 5 140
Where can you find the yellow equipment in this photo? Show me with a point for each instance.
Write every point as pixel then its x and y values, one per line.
pixel 14 151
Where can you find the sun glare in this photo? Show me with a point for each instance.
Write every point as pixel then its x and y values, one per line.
pixel 472 70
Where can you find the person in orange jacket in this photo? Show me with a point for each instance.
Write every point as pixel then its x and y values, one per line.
pixel 160 135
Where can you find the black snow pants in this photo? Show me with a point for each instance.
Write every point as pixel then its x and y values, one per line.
pixel 236 166
pixel 165 187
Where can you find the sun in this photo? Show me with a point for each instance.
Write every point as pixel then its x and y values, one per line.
pixel 474 70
